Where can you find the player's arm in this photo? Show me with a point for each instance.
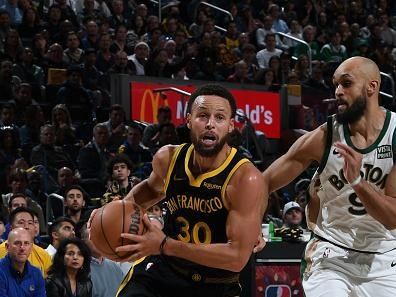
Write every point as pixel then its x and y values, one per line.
pixel 381 207
pixel 151 190
pixel 308 148
pixel 246 205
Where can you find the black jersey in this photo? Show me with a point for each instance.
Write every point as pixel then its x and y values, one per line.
pixel 197 208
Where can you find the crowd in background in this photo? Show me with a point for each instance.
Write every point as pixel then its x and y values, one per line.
pixel 59 132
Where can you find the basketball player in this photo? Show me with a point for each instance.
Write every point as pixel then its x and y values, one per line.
pixel 215 205
pixel 352 209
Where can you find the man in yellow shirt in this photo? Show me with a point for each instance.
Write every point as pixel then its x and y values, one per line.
pixel 23 218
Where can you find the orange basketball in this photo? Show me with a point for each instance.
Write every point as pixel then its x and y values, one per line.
pixel 114 218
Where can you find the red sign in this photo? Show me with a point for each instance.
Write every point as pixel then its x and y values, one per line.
pixel 262 108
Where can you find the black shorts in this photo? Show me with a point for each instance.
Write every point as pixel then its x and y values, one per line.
pixel 153 277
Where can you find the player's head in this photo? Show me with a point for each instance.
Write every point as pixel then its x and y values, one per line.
pixel 210 117
pixel 357 82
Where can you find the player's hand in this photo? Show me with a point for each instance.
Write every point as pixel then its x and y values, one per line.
pixel 260 244
pixel 90 221
pixel 145 244
pixel 352 161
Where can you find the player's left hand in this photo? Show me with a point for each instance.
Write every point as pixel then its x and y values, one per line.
pixel 260 244
pixel 352 161
pixel 146 244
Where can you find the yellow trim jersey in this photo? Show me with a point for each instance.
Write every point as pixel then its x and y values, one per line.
pixel 197 208
pixel 342 219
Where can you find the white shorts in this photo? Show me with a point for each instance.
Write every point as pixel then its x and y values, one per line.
pixel 332 271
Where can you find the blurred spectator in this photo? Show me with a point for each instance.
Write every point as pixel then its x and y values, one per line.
pixel 119 16
pixel 388 34
pixel 240 74
pixel 7 115
pixel 92 77
pixel 120 39
pixel 121 181
pixel 106 275
pixel 54 59
pixel 140 56
pixel 265 77
pixel 90 11
pixel 279 25
pixel 295 31
pixel 133 148
pixel 5 25
pixel 334 51
pixel 308 34
pixel 75 201
pixel 196 28
pixel 65 179
pixel 67 12
pixel 22 100
pixel 49 155
pixel 365 31
pixel 37 238
pixel 12 49
pixel 93 157
pixel 29 133
pixel 69 273
pixel 22 217
pixel 30 26
pixel 104 58
pixel 121 66
pixel 62 124
pixel 8 82
pixel 307 13
pixel 37 188
pixel 58 231
pixel 77 98
pixel 16 200
pixel 53 21
pixel 73 54
pixel 166 135
pixel 17 275
pixel 116 127
pixel 15 13
pixel 270 50
pixel 301 68
pixel 243 38
pixel 9 148
pixel 292 214
pixel 91 38
pixel 151 132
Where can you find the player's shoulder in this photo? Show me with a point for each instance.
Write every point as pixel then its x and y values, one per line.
pixel 165 153
pixel 246 174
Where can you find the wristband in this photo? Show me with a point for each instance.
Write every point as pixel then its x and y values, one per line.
pixel 356 181
pixel 163 244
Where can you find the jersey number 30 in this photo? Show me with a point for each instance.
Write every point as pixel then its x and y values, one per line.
pixel 199 233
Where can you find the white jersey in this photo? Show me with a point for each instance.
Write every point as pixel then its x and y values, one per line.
pixel 342 218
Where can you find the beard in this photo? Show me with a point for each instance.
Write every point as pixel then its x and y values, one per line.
pixel 205 151
pixel 354 112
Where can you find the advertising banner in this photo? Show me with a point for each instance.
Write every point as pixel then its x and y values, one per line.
pixel 262 108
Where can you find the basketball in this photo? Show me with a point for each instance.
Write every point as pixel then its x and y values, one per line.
pixel 114 218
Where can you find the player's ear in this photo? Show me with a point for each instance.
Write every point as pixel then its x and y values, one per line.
pixel 232 125
pixel 373 87
pixel 189 120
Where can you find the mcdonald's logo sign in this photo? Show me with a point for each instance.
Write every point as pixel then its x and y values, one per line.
pixel 153 99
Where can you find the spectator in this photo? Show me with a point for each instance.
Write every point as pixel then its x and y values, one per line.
pixel 295 31
pixel 15 201
pixel 139 58
pixel 133 148
pixel 37 188
pixel 278 25
pixel 264 55
pixel 104 58
pixel 8 82
pixel 5 25
pixel 292 215
pixel 119 16
pixel 67 12
pixel 91 39
pixel 75 200
pixel 49 155
pixel 388 34
pixel 54 19
pixel 58 231
pixel 29 133
pixel 301 68
pixel 116 127
pixel 65 133
pixel 151 132
pixel 73 54
pixel 93 157
pixel 121 66
pixel 92 77
pixel 15 13
pixel 240 74
pixel 166 135
pixel 106 275
pixel 23 218
pixel 7 115
pixel 119 168
pixel 120 40
pixel 22 100
pixel 334 51
pixel 90 11
pixel 30 26
pixel 308 34
pixel 69 273
pixel 9 149
pixel 17 276
pixel 65 179
pixel 12 49
pixel 77 98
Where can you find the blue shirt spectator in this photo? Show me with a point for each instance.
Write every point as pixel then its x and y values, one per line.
pixel 11 6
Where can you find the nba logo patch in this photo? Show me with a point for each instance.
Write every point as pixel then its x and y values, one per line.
pixel 278 291
pixel 326 253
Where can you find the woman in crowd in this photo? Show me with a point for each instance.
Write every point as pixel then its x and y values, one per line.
pixel 69 274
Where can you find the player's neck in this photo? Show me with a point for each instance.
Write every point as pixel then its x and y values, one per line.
pixel 369 126
pixel 201 164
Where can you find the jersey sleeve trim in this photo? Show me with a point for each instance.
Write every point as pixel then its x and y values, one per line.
pixel 329 140
pixel 172 165
pixel 223 189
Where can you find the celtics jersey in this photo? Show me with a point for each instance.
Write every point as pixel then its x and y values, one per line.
pixel 196 205
pixel 342 218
